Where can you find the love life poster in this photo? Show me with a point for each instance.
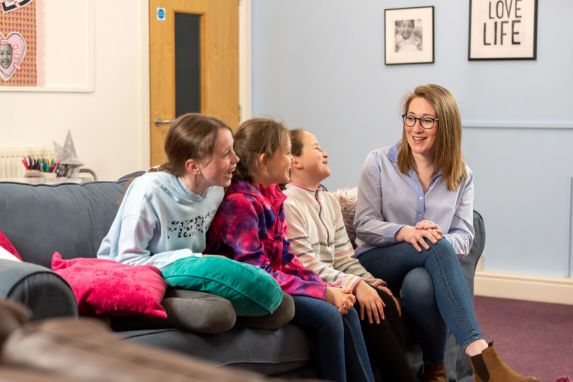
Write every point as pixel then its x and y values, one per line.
pixel 18 43
pixel 503 30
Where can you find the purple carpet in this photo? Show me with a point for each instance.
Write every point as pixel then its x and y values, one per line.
pixel 533 338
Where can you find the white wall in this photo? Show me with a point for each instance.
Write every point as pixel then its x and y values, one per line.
pixel 109 125
pixel 318 65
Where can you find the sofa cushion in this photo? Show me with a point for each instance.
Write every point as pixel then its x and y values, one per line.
pixel 187 310
pixel 269 352
pixel 251 290
pixel 69 218
pixel 277 319
pixel 200 312
pixel 106 287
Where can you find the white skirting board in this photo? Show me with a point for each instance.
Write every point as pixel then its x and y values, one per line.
pixel 557 290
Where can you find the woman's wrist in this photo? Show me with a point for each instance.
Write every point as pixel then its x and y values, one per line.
pixel 401 233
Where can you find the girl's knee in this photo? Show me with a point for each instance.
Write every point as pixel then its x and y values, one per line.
pixel 334 326
pixel 351 322
pixel 330 319
pixel 352 315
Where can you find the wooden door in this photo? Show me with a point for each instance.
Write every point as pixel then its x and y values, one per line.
pixel 193 62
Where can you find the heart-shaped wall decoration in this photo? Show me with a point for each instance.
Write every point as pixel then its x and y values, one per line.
pixel 12 51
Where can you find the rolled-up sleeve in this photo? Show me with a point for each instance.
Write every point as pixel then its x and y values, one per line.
pixel 461 232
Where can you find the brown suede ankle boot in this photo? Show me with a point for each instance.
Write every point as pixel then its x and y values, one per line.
pixel 488 367
pixel 435 373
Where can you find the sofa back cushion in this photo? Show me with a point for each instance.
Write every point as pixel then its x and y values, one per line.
pixel 69 218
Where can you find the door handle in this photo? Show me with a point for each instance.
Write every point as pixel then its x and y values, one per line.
pixel 159 121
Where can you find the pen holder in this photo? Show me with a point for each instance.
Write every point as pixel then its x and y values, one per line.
pixel 39 174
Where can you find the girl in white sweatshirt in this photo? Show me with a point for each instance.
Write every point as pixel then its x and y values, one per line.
pixel 318 238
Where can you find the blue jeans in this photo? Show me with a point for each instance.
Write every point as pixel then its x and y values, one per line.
pixel 338 348
pixel 434 291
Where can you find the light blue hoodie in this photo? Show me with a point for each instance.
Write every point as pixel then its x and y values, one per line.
pixel 160 221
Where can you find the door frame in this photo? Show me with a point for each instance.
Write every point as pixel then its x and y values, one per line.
pixel 144 119
pixel 245 59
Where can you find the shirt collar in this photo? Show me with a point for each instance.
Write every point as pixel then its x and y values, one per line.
pixel 270 196
pixel 393 153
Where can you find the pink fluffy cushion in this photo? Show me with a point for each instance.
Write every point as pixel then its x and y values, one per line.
pixel 106 287
pixel 347 199
pixel 7 245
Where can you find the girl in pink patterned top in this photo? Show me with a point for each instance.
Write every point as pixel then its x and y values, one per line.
pixel 250 227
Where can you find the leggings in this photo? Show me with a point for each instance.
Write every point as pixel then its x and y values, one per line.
pixel 385 342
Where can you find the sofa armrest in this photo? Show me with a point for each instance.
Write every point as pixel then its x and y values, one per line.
pixel 470 261
pixel 44 292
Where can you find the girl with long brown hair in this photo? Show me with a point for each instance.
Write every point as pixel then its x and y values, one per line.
pixel 250 227
pixel 165 214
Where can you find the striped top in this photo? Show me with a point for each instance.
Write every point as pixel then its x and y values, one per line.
pixel 318 237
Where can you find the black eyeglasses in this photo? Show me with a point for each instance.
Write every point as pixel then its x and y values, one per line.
pixel 426 122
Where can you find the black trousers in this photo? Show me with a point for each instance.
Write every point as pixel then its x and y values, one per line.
pixel 385 343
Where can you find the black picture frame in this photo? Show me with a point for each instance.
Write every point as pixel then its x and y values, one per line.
pixel 502 30
pixel 409 35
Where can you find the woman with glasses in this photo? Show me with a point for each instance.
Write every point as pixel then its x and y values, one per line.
pixel 414 218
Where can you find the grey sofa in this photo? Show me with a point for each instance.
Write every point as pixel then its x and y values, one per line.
pixel 73 219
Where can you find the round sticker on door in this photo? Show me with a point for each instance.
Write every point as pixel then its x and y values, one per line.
pixel 161 14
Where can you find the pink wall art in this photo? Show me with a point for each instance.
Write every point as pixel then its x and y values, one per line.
pixel 18 66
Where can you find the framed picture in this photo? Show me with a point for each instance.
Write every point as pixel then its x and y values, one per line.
pixel 409 35
pixel 503 30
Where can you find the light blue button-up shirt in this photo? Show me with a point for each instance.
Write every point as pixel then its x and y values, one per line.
pixel 388 200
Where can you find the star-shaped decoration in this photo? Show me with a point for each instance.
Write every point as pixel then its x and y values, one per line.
pixel 66 154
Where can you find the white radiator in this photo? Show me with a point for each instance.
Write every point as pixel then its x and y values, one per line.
pixel 11 165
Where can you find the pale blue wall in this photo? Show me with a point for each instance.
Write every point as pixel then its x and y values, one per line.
pixel 318 65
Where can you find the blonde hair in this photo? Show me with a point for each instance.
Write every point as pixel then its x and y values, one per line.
pixel 448 147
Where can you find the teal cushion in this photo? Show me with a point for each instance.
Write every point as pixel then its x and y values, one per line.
pixel 251 290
